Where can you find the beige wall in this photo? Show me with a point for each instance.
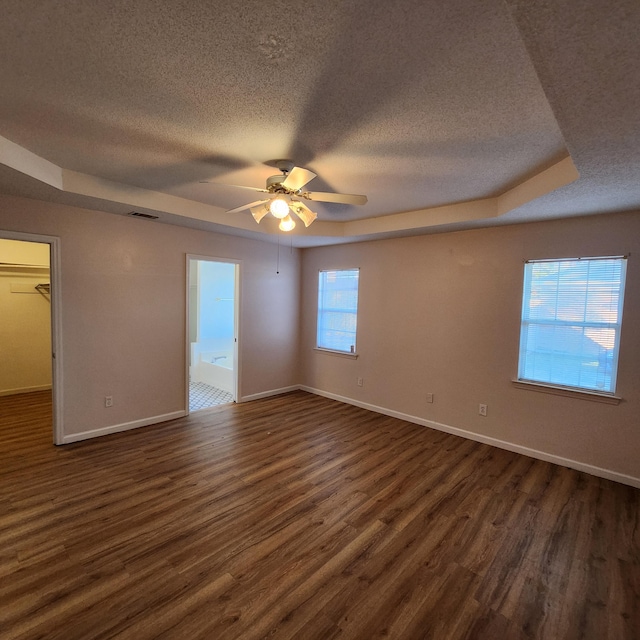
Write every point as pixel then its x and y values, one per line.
pixel 440 314
pixel 25 318
pixel 123 311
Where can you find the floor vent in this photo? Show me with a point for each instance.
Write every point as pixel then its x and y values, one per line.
pixel 137 214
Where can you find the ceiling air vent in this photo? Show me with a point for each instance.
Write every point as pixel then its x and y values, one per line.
pixel 137 214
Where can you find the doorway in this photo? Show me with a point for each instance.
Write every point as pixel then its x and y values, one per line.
pixel 30 340
pixel 212 341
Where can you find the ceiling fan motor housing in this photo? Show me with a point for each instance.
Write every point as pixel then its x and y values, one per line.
pixel 274 184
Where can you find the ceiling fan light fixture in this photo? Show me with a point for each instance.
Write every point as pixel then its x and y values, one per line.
pixel 259 212
pixel 287 224
pixel 304 213
pixel 284 194
pixel 279 208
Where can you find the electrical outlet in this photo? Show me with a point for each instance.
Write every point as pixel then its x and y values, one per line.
pixel 360 382
pixel 429 397
pixel 108 401
pixel 482 410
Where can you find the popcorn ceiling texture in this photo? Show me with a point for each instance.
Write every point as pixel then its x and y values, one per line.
pixel 587 57
pixel 416 104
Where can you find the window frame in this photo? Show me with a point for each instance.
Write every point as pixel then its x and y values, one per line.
pixel 600 395
pixel 352 353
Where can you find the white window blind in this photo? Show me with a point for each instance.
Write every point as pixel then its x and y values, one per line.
pixel 338 310
pixel 571 318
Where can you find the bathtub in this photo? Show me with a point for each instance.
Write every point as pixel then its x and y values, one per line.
pixel 216 369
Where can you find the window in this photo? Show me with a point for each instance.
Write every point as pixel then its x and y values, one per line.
pixel 338 310
pixel 571 317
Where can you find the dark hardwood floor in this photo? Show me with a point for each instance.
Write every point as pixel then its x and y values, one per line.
pixel 300 517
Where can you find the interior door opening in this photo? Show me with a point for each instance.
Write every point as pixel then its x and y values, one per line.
pixel 27 339
pixel 212 341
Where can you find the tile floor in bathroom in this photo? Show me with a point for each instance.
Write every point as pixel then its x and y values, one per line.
pixel 203 396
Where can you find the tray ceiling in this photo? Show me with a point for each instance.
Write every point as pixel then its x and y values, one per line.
pixel 446 115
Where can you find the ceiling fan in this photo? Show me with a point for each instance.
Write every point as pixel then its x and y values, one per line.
pixel 285 195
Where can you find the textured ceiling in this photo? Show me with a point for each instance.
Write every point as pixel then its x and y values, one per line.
pixel 417 104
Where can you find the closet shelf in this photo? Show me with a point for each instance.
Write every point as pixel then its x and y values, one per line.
pixel 32 268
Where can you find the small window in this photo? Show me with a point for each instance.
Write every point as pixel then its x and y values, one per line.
pixel 338 310
pixel 571 318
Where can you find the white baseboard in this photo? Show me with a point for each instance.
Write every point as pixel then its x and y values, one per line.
pixel 125 426
pixel 14 392
pixel 494 442
pixel 272 392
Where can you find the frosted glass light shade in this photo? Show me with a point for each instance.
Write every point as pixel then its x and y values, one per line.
pixel 287 224
pixel 259 212
pixel 279 208
pixel 304 213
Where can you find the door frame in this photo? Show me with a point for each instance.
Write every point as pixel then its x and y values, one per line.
pixel 56 322
pixel 236 322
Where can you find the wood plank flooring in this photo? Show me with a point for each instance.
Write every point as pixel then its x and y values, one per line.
pixel 300 517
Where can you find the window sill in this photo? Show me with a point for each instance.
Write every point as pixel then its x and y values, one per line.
pixel 340 354
pixel 594 396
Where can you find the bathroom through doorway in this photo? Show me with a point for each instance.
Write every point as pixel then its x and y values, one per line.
pixel 212 332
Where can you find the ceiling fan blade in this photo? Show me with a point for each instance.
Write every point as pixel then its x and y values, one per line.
pixel 340 198
pixel 297 178
pixel 303 212
pixel 235 186
pixel 247 206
